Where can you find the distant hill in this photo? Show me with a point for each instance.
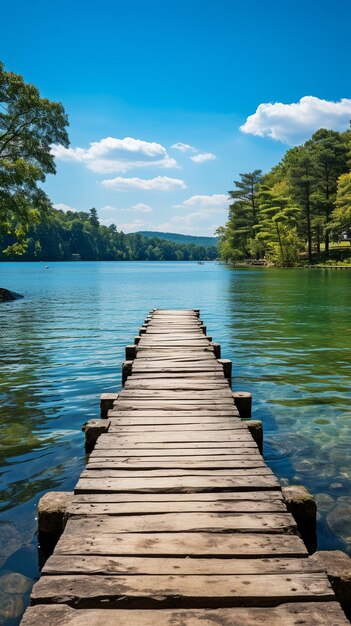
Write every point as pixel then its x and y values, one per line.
pixel 199 241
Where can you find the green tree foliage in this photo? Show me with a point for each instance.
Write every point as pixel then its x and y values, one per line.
pixel 329 152
pixel 93 218
pixel 29 125
pixel 286 212
pixel 277 234
pixel 301 180
pixel 243 212
pixel 342 213
pixel 62 235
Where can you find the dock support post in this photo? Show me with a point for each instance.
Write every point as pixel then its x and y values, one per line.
pixel 217 350
pixel 227 368
pixel 256 430
pixel 301 504
pixel 197 312
pixel 337 565
pixel 52 508
pixel 93 429
pixel 130 353
pixel 126 371
pixel 107 401
pixel 136 340
pixel 243 402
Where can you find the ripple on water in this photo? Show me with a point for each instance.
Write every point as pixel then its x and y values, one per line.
pixel 275 449
pixel 10 540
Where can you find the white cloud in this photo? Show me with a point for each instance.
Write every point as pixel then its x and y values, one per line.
pixel 106 166
pixel 140 207
pixel 216 201
pixel 187 228
pixel 183 147
pixel 202 157
pixel 198 222
pixel 294 123
pixel 107 221
pixel 132 226
pixel 160 183
pixel 112 154
pixel 64 207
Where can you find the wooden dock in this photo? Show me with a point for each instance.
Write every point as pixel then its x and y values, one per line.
pixel 177 520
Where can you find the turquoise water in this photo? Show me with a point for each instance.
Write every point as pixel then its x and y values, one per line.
pixel 286 331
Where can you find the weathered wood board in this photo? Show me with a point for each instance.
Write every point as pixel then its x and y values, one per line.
pixel 220 545
pixel 308 613
pixel 138 592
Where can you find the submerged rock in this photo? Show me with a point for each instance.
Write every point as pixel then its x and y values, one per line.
pixel 11 606
pixel 7 296
pixel 339 520
pixel 13 582
pixel 13 589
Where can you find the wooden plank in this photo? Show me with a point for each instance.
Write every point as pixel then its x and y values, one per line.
pixel 142 507
pixel 174 332
pixel 146 464
pixel 157 350
pixel 178 375
pixel 146 342
pixel 116 427
pixel 176 353
pixel 308 613
pixel 176 365
pixel 180 398
pixel 222 545
pixel 179 418
pixel 177 484
pixel 176 384
pixel 183 522
pixel 224 496
pixel 192 411
pixel 173 405
pixel 92 472
pixel 188 591
pixel 189 437
pixel 115 443
pixel 216 454
pixel 131 566
pixel 218 395
pixel 178 358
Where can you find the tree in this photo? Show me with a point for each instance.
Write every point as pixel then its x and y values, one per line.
pixel 277 225
pixel 342 213
pixel 29 125
pixel 245 197
pixel 329 150
pixel 243 216
pixel 93 218
pixel 302 175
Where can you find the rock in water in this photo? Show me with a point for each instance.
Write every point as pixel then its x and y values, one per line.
pixel 7 296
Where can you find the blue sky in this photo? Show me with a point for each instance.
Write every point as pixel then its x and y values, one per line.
pixel 169 100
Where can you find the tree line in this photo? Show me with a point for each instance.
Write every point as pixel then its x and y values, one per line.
pixel 297 209
pixel 60 236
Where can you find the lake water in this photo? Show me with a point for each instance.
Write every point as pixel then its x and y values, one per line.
pixel 286 331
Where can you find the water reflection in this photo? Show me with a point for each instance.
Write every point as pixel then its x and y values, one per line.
pixel 292 345
pixel 287 333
